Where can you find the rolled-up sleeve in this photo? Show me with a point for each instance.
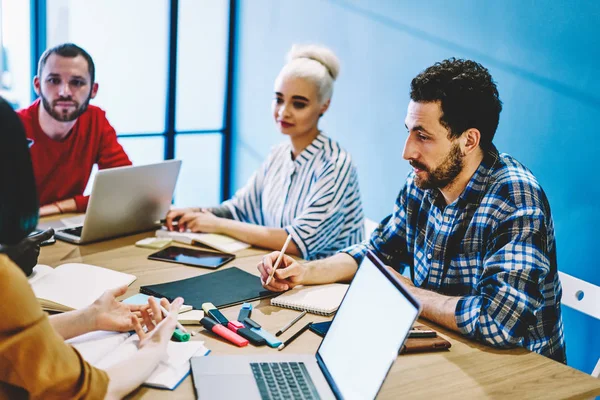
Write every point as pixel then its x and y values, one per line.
pixel 322 218
pixel 509 293
pixel 246 204
pixel 388 240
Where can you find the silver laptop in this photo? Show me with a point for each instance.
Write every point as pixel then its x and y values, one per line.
pixel 125 200
pixel 352 362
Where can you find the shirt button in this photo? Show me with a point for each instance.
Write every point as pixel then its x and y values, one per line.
pixel 429 256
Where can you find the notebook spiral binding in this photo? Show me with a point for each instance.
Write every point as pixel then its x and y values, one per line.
pixel 316 311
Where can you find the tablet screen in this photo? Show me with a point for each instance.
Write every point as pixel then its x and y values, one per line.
pixel 197 258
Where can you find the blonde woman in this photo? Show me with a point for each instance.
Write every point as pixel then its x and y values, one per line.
pixel 307 187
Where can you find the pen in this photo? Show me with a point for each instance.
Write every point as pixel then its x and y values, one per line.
pixel 181 328
pixel 283 249
pixel 294 336
pixel 164 220
pixel 292 322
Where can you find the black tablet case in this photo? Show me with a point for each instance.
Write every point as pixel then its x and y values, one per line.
pixel 223 288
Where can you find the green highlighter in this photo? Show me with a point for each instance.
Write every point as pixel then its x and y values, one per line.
pixel 180 336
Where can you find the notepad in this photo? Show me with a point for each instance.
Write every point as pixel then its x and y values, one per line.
pixel 321 299
pixel 103 349
pixel 73 286
pixel 215 241
pixel 223 288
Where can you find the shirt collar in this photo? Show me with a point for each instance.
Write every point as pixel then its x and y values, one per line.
pixel 310 151
pixel 475 189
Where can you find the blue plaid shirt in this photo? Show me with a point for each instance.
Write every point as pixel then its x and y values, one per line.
pixel 494 247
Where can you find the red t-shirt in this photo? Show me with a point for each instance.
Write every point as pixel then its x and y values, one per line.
pixel 62 168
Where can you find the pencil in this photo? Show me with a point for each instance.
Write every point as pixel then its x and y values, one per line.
pixel 285 328
pixel 294 336
pixel 164 310
pixel 281 253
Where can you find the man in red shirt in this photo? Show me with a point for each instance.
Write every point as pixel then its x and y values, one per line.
pixel 67 136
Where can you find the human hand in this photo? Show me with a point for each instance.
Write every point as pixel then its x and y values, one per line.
pixel 159 329
pixel 174 215
pixel 201 221
pixel 401 278
pixel 49 209
pixel 25 253
pixel 289 273
pixel 108 314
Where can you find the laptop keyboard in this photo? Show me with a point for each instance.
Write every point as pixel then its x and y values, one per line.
pixel 76 231
pixel 283 380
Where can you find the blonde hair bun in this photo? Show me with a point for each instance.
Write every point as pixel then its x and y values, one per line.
pixel 320 54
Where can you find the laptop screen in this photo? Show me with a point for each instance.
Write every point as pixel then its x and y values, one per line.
pixel 367 332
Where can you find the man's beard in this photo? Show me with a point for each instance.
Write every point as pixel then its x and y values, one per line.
pixel 444 174
pixel 64 116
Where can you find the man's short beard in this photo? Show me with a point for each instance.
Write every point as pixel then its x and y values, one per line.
pixel 64 117
pixel 445 173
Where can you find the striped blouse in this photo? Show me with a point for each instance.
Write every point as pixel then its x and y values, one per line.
pixel 315 197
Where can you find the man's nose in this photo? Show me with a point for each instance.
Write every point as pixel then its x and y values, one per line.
pixel 409 152
pixel 65 90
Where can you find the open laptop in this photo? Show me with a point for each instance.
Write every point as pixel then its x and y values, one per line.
pixel 352 362
pixel 125 200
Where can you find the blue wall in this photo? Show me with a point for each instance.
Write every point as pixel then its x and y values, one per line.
pixel 544 56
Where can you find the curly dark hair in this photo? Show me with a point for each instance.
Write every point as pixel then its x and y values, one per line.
pixel 467 93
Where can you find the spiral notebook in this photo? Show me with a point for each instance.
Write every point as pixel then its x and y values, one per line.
pixel 321 299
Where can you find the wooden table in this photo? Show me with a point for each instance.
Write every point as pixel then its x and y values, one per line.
pixel 468 370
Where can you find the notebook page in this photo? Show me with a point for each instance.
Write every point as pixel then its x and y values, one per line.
pixel 94 346
pixel 320 299
pixel 78 285
pixel 38 272
pixel 169 371
pixel 222 243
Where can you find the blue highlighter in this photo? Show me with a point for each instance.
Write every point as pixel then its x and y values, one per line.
pixel 244 318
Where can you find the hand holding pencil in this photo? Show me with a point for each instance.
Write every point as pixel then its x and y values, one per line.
pixel 279 272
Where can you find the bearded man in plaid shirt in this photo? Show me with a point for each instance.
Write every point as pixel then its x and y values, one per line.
pixel 471 225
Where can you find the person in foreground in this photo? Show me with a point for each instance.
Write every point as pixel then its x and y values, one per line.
pixel 307 188
pixel 472 225
pixel 35 362
pixel 67 135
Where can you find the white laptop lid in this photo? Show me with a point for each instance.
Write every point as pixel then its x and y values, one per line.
pixel 367 332
pixel 129 199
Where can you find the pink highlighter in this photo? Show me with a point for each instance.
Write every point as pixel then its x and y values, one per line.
pixel 211 325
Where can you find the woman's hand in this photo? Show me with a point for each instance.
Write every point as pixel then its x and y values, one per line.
pixel 159 328
pixel 201 221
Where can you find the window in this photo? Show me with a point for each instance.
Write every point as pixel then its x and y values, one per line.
pixel 130 45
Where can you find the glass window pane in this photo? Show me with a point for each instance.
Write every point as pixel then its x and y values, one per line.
pixel 128 41
pixel 15 54
pixel 199 181
pixel 201 64
pixel 141 150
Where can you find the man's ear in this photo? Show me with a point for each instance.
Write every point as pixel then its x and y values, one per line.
pixel 324 107
pixel 94 91
pixel 36 85
pixel 471 138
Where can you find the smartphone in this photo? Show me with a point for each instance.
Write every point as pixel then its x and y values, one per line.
pixel 193 257
pixel 47 242
pixel 320 328
pixel 422 334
